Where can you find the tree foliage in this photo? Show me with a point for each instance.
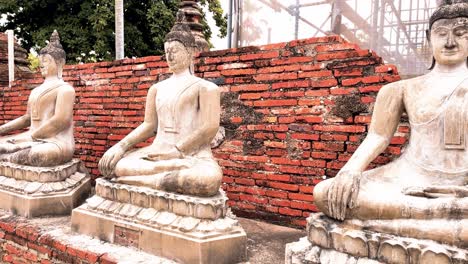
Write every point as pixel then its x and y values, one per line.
pixel 86 27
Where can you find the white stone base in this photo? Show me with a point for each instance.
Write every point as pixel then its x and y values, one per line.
pixel 228 246
pixel 332 242
pixel 52 203
pixel 303 252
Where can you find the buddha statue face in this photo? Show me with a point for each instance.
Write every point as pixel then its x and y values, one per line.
pixel 449 40
pixel 48 66
pixel 178 56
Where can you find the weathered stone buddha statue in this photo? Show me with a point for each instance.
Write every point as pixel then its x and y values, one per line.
pixel 166 198
pixel 184 112
pixel 49 116
pixel 39 163
pixel 424 193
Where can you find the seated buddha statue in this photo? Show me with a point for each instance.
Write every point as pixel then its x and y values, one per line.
pixel 183 112
pixel 423 193
pixel 49 140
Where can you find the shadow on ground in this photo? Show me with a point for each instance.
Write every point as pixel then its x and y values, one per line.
pixel 266 242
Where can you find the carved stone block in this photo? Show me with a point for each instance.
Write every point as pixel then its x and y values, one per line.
pixel 331 241
pixel 20 195
pixel 39 174
pixel 393 251
pixel 198 207
pixel 189 229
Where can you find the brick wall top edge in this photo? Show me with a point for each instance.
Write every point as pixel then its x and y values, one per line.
pixel 105 64
pixel 325 39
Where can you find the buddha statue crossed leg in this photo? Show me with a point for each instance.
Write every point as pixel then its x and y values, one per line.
pixel 429 181
pixel 183 111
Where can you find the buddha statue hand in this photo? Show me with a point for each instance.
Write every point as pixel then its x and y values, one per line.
pixel 109 160
pixel 174 153
pixel 437 191
pixel 343 193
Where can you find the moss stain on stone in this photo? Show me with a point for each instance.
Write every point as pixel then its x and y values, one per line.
pixel 348 105
pixel 233 107
pixel 293 148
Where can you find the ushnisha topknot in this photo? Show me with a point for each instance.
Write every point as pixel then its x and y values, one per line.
pixel 449 9
pixel 54 48
pixel 181 32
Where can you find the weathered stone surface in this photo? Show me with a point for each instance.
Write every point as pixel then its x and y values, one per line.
pixel 186 205
pixel 37 198
pixel 45 202
pixel 304 252
pixel 393 251
pixel 163 233
pixel 39 174
pixel 162 218
pixel 352 244
pixel 187 228
pixel 38 188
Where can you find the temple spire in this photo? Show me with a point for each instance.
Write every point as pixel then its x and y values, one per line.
pixel 193 16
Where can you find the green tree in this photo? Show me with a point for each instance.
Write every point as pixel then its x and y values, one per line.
pixel 86 27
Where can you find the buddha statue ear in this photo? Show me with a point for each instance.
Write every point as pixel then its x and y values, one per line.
pixel 428 36
pixel 191 51
pixel 60 65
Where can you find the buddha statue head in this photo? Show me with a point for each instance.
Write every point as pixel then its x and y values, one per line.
pixel 52 57
pixel 448 33
pixel 179 45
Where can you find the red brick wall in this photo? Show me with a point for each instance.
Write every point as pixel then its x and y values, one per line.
pixel 293 112
pixel 24 242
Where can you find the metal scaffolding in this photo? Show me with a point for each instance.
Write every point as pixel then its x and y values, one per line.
pixel 395 29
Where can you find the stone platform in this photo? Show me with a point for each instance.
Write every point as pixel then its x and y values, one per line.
pixel 180 227
pixel 41 174
pixel 36 191
pixel 330 241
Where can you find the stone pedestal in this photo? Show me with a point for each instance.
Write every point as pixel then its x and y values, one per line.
pixel 184 228
pixel 330 241
pixel 36 191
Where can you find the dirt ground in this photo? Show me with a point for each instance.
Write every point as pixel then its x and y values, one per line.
pixel 266 242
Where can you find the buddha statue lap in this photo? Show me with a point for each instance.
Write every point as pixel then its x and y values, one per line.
pixel 39 162
pixel 422 195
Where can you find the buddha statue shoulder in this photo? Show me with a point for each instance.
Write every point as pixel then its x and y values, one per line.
pixel 183 112
pixel 49 140
pixel 429 180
